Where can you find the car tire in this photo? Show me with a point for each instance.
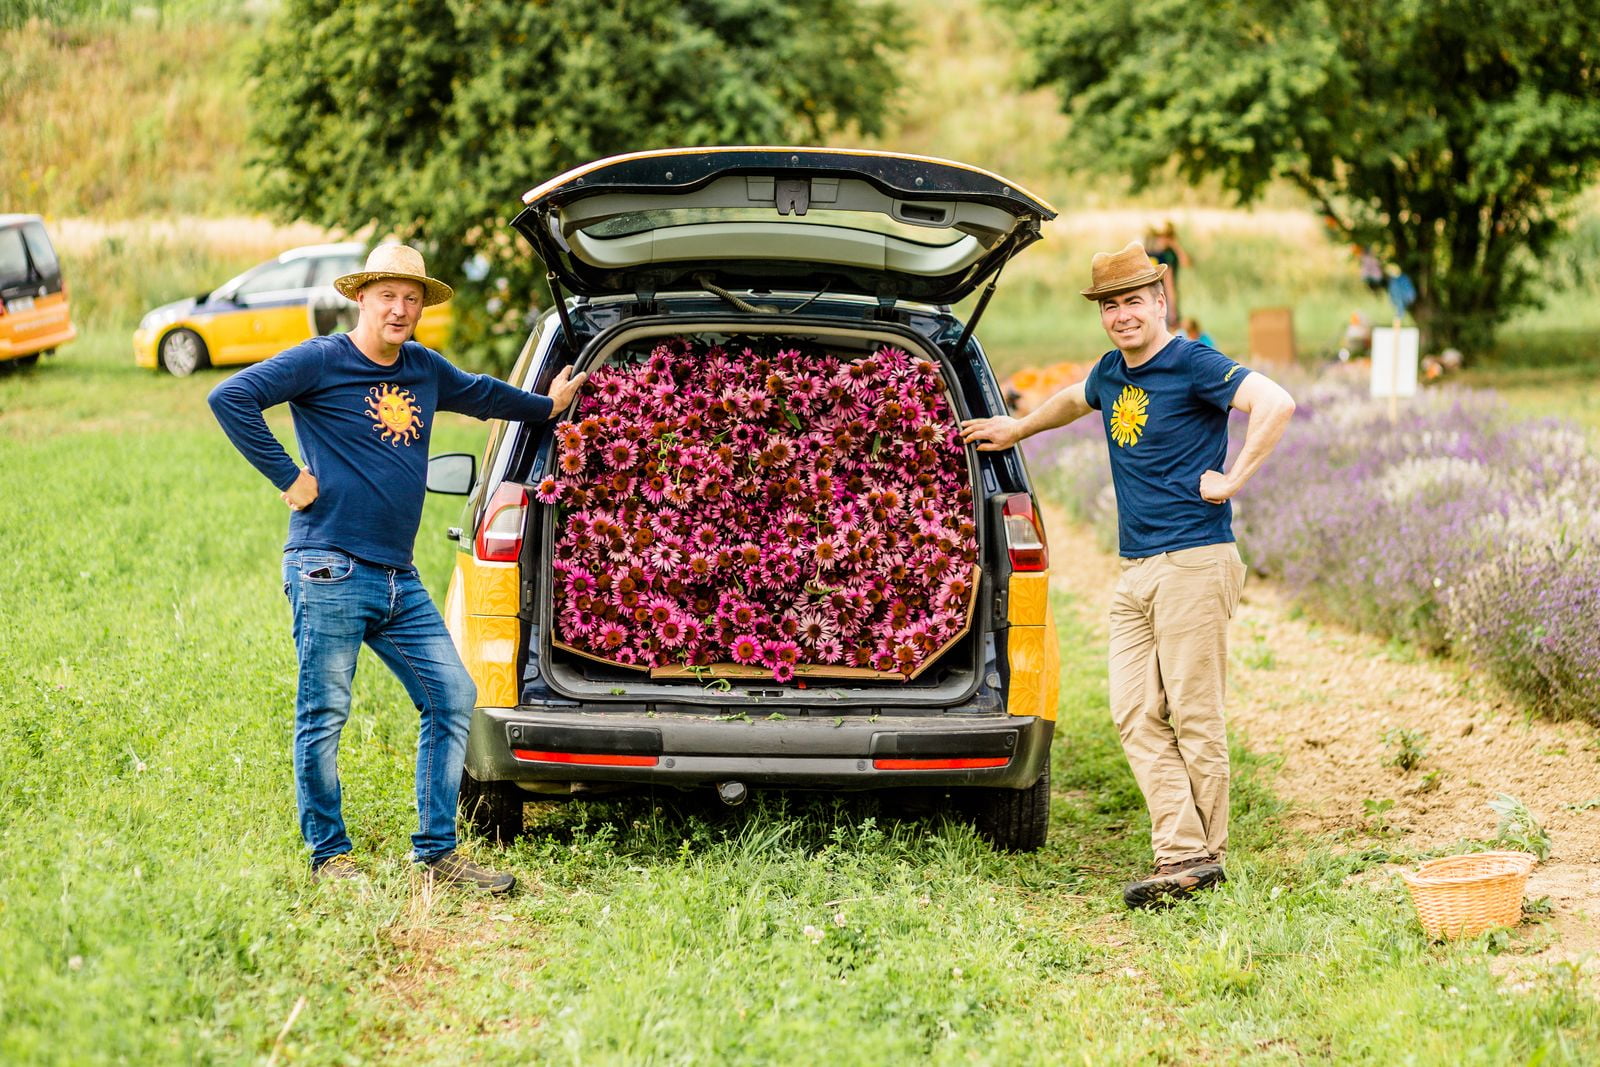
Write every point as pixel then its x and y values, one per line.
pixel 25 362
pixel 183 353
pixel 493 809
pixel 1012 820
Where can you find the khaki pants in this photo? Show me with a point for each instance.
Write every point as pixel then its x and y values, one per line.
pixel 1169 662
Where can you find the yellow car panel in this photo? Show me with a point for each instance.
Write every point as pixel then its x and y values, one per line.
pixel 254 334
pixel 1031 646
pixel 481 615
pixel 433 329
pixel 490 656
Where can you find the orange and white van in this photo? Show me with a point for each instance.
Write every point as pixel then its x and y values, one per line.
pixel 34 317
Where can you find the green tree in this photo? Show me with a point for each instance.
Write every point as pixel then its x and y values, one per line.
pixel 428 119
pixel 1452 135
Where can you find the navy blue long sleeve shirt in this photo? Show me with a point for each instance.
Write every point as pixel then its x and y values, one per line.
pixel 363 431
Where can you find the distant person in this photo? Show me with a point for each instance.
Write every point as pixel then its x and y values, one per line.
pixel 1371 269
pixel 1166 251
pixel 1165 403
pixel 363 406
pixel 1191 330
pixel 1401 289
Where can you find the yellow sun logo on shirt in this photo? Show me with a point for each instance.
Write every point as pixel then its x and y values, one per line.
pixel 1128 416
pixel 394 414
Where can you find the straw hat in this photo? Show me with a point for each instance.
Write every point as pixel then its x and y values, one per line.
pixel 395 261
pixel 1118 272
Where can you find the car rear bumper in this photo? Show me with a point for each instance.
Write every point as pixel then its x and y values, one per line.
pixel 19 344
pixel 673 748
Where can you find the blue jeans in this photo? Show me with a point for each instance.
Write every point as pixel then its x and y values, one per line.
pixel 340 602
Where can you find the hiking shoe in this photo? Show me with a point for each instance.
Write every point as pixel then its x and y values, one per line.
pixel 340 868
pixel 1175 881
pixel 453 868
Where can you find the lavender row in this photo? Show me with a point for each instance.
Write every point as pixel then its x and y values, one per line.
pixel 1454 526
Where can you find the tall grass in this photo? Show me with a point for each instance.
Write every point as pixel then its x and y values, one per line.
pixel 113 12
pixel 124 118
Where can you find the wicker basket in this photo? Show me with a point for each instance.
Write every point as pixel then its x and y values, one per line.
pixel 1462 896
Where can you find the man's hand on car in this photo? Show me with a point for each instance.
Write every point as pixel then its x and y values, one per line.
pixel 565 387
pixel 303 493
pixel 994 435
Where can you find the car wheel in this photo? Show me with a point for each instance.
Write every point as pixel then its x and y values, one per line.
pixel 183 353
pixel 24 362
pixel 493 809
pixel 1012 820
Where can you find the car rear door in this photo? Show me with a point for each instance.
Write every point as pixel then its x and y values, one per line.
pixel 881 224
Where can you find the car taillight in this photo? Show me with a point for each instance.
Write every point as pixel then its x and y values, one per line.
pixel 500 532
pixel 586 759
pixel 959 763
pixel 1024 535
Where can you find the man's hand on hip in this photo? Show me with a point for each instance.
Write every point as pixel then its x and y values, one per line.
pixel 992 435
pixel 303 493
pixel 1216 487
pixel 565 387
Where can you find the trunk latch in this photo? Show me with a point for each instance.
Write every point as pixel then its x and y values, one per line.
pixel 793 195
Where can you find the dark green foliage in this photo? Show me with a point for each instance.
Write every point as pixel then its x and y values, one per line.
pixel 1451 135
pixel 429 119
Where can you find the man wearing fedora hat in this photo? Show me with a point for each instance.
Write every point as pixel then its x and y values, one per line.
pixel 363 405
pixel 1165 402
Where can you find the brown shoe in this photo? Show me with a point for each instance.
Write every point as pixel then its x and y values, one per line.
pixel 340 868
pixel 453 868
pixel 1175 881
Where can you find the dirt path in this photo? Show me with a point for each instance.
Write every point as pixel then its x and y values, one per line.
pixel 1321 697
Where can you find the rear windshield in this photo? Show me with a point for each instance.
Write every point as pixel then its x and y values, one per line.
pixel 13 257
pixel 44 256
pixel 869 221
pixel 326 268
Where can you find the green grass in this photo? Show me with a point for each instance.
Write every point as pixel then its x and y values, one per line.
pixel 154 903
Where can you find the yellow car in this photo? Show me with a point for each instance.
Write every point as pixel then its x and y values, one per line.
pixel 263 311
pixel 34 318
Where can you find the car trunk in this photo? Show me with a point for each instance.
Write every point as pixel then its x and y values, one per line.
pixel 949 677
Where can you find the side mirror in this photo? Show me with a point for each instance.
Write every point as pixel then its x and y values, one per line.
pixel 452 473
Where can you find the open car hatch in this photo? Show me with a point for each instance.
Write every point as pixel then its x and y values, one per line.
pixel 882 224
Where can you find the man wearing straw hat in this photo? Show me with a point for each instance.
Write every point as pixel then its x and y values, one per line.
pixel 1165 401
pixel 363 405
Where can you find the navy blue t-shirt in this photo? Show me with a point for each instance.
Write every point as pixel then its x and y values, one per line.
pixel 363 431
pixel 1166 425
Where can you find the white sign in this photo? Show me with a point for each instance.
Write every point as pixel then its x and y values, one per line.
pixel 1394 361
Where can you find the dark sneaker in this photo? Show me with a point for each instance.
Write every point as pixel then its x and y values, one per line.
pixel 453 868
pixel 340 868
pixel 1175 881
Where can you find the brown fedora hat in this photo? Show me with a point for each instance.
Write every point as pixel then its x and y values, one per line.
pixel 395 261
pixel 1118 272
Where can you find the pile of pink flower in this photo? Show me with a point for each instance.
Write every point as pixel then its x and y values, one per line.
pixel 784 509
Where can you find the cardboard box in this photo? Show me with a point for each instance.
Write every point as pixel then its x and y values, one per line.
pixel 1271 336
